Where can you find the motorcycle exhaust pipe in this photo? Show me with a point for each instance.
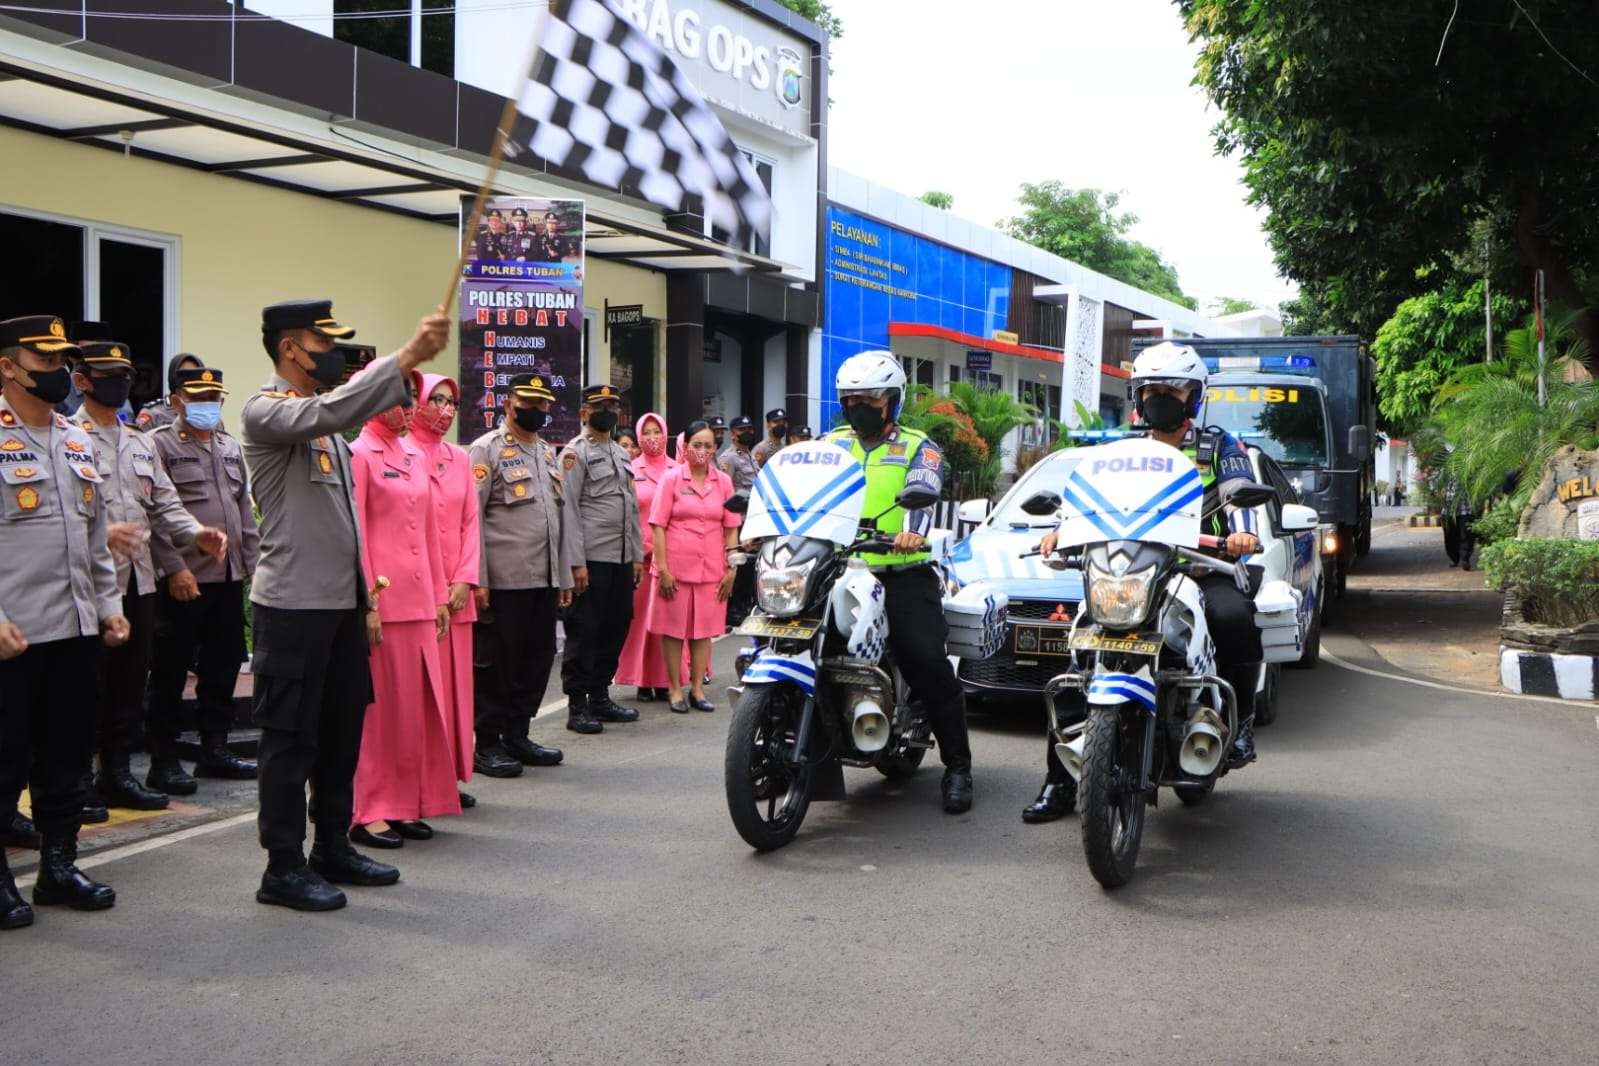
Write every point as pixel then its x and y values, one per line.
pixel 1204 743
pixel 869 726
pixel 1070 754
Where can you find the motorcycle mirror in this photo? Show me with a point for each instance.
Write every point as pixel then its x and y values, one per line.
pixel 915 498
pixel 738 503
pixel 1249 494
pixel 1042 504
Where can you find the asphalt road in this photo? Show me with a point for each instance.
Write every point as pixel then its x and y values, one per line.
pixel 1408 874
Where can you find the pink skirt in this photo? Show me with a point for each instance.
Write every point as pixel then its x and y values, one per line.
pixel 407 765
pixel 640 662
pixel 693 614
pixel 455 679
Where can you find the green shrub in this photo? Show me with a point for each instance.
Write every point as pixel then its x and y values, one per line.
pixel 1557 577
pixel 1499 522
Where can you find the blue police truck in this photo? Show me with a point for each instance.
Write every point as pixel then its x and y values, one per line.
pixel 1311 404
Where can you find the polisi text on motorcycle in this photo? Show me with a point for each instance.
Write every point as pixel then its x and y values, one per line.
pixel 1151 464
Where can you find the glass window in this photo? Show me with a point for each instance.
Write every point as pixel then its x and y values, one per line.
pixel 763 170
pixel 1288 423
pixel 1049 473
pixel 438 37
pixel 389 35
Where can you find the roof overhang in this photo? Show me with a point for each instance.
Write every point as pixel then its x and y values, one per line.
pixel 968 340
pixel 347 162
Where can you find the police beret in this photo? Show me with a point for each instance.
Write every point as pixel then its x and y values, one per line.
pixel 777 414
pixel 595 393
pixel 106 355
pixel 531 387
pixel 46 334
pixel 200 381
pixel 741 422
pixel 314 315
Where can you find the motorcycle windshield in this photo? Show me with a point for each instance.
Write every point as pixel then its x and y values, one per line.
pixel 1134 489
pixel 812 489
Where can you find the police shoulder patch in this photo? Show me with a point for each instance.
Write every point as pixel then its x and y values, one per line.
pixel 569 460
pixel 931 458
pixel 480 472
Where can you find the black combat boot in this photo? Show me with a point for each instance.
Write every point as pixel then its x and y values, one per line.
pixel 19 833
pixel 957 789
pixel 14 910
pixel 94 809
pixel 119 788
pixel 492 760
pixel 606 709
pixel 1054 801
pixel 166 772
pixel 217 761
pixel 1244 680
pixel 578 718
pixel 289 882
pixel 61 882
pixel 341 864
pixel 530 753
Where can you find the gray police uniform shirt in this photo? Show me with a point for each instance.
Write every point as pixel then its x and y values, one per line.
pixel 765 450
pixel 59 580
pixel 137 490
pixel 154 415
pixel 301 478
pixel 739 465
pixel 599 488
pixel 521 515
pixel 215 488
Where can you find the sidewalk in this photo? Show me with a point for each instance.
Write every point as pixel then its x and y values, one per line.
pixel 1418 612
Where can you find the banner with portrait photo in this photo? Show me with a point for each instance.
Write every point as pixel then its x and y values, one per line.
pixel 521 310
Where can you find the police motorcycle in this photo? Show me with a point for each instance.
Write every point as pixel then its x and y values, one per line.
pixel 820 691
pixel 1142 659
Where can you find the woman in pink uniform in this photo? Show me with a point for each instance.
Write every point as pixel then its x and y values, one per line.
pixel 641 656
pixel 691 532
pixel 407 770
pixel 455 525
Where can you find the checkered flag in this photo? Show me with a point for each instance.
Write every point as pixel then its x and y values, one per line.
pixel 606 102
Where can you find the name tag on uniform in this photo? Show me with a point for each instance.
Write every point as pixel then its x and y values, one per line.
pixel 391 473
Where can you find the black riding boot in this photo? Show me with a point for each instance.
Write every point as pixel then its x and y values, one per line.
pixel 1244 680
pixel 119 788
pixel 60 880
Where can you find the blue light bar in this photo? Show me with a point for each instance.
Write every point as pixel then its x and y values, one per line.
pixel 1105 434
pixel 1289 363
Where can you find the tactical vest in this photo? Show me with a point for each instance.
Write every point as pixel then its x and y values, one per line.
pixel 886 467
pixel 1216 524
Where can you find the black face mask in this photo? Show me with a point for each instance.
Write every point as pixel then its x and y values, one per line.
pixel 779 429
pixel 1163 411
pixel 865 420
pixel 747 439
pixel 530 419
pixel 329 366
pixel 111 392
pixel 51 386
pixel 602 421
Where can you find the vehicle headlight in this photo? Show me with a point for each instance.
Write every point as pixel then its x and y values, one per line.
pixel 780 590
pixel 1119 601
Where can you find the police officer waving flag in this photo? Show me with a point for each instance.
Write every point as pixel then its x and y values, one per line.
pixel 312 680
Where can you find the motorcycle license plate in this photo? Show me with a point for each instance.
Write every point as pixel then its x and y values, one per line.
pixel 779 628
pixel 1129 645
pixel 1041 640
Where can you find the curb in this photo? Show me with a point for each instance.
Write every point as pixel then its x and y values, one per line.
pixel 1430 521
pixel 1536 673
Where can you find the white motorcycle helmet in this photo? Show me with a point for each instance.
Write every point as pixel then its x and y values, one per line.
pixel 875 374
pixel 1170 363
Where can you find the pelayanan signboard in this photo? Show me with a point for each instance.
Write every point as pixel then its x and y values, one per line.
pixel 522 310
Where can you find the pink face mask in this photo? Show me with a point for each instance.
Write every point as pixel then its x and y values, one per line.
pixel 435 418
pixel 397 419
pixel 653 446
pixel 699 457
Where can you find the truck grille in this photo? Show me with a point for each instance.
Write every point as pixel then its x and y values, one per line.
pixel 1002 671
pixel 1037 610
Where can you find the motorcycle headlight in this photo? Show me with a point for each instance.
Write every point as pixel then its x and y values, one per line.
pixel 1119 601
pixel 780 590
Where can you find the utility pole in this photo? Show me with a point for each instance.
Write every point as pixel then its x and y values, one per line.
pixel 1538 307
pixel 1487 298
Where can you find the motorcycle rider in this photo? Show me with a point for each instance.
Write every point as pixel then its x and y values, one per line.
pixel 870 387
pixel 1168 389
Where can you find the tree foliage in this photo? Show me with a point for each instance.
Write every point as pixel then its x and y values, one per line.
pixel 1429 338
pixel 1376 155
pixel 1222 306
pixel 819 12
pixel 941 200
pixel 1084 226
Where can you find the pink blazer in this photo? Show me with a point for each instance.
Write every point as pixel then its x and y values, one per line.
pixel 393 499
pixel 694 519
pixel 455 518
pixel 646 481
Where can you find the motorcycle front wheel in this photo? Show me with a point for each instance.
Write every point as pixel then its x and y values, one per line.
pixel 767 795
pixel 1109 801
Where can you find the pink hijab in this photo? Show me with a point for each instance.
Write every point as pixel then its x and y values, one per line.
pixel 392 424
pixel 428 428
pixel 654 465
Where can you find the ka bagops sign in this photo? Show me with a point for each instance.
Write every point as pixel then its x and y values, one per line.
pixel 522 309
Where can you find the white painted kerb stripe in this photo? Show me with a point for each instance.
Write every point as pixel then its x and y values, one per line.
pixel 1336 661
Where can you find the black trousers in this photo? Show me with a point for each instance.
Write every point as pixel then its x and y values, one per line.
pixel 47 702
pixel 313 682
pixel 120 677
pixel 917 634
pixel 513 650
pixel 596 629
pixel 207 633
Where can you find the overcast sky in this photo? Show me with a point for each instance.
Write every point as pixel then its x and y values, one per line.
pixel 975 98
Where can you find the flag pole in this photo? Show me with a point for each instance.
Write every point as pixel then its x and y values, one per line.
pixel 502 138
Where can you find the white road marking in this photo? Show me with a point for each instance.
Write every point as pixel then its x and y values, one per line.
pixel 1336 661
pixel 560 704
pixel 100 858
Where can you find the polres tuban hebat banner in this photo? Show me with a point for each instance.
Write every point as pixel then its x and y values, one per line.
pixel 522 310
